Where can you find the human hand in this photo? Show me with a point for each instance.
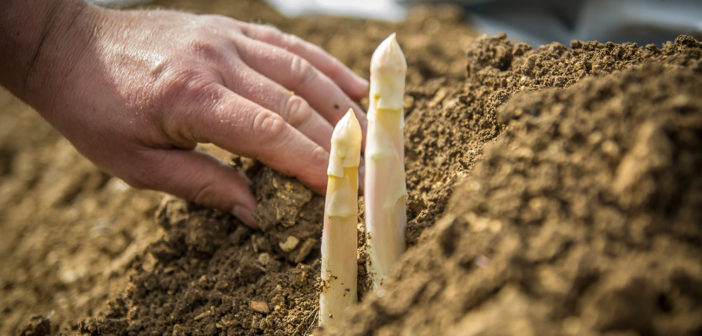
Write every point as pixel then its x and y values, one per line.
pixel 135 91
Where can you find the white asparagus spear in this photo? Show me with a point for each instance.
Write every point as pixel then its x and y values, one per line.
pixel 385 190
pixel 339 265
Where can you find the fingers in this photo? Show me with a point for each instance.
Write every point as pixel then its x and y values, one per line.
pixel 241 126
pixel 299 75
pixel 270 95
pixel 353 85
pixel 199 178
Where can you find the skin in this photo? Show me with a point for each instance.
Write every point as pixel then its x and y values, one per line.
pixel 136 91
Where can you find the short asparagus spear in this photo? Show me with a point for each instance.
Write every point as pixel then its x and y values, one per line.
pixel 385 190
pixel 339 266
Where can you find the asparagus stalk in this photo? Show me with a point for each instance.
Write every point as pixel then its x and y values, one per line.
pixel 339 267
pixel 385 190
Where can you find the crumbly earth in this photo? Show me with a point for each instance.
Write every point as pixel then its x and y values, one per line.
pixel 552 191
pixel 68 232
pixel 582 218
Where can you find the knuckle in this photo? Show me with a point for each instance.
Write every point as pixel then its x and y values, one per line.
pixel 296 111
pixel 276 36
pixel 268 126
pixel 183 82
pixel 270 32
pixel 221 20
pixel 289 41
pixel 183 87
pixel 207 48
pixel 301 70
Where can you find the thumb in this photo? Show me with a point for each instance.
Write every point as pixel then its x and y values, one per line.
pixel 200 178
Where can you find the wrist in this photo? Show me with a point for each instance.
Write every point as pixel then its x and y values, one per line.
pixel 70 34
pixel 42 41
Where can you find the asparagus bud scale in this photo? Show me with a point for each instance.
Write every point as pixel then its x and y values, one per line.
pixel 385 190
pixel 339 267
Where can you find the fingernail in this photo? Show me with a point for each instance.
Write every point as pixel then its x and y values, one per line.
pixel 245 216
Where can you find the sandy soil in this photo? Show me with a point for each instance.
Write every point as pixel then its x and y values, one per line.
pixel 552 191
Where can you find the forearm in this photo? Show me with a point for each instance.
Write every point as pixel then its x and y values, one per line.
pixel 39 39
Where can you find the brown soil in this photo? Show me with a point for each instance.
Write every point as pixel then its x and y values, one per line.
pixel 68 233
pixel 582 218
pixel 551 191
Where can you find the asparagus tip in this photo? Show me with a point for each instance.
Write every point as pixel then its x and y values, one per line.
pixel 389 56
pixel 346 139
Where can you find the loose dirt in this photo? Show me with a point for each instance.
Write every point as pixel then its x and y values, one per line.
pixel 552 191
pixel 582 218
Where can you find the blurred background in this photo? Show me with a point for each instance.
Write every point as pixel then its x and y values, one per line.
pixel 535 22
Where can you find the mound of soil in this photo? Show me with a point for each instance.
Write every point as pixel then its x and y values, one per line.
pixel 552 191
pixel 583 218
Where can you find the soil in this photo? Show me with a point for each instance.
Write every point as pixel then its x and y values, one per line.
pixel 68 232
pixel 582 218
pixel 552 191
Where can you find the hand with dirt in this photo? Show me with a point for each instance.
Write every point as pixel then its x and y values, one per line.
pixel 136 91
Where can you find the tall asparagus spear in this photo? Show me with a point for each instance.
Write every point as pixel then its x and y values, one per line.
pixel 339 267
pixel 385 190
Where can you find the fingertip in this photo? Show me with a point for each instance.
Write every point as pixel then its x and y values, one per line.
pixel 318 182
pixel 359 87
pixel 313 172
pixel 320 189
pixel 247 199
pixel 355 88
pixel 202 179
pixel 245 215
